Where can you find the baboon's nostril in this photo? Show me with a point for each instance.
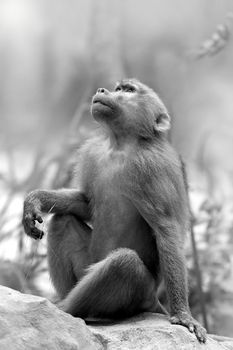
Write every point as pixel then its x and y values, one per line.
pixel 101 90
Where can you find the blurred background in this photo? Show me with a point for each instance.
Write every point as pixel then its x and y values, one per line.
pixel 53 57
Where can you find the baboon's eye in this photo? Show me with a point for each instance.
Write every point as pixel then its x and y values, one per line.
pixel 130 89
pixel 118 88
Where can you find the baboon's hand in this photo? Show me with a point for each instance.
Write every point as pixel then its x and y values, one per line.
pixel 185 319
pixel 30 216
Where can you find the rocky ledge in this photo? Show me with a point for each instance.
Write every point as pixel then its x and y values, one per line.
pixel 30 322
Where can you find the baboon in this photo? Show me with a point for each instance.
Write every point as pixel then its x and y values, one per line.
pixel 120 229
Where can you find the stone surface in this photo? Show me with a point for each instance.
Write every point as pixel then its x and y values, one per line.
pixel 152 332
pixel 30 322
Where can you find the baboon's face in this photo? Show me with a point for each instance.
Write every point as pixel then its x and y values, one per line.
pixel 132 108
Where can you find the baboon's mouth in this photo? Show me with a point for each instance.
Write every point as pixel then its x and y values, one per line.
pixel 101 99
pixel 101 102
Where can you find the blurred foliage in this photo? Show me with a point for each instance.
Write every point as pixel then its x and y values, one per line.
pixel 218 40
pixel 213 227
pixel 48 170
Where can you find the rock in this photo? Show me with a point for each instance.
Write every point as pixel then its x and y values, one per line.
pixel 31 322
pixel 152 331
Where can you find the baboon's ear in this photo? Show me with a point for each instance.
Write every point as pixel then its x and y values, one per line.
pixel 162 123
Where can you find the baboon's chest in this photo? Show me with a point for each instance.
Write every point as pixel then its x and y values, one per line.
pixel 111 204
